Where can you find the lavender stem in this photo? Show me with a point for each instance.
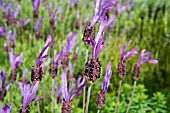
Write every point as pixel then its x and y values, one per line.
pixel 134 86
pixel 0 105
pixel 52 96
pixel 38 105
pixel 88 98
pixel 98 111
pixel 117 101
pixel 84 89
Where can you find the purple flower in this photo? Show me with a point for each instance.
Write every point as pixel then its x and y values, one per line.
pixel 6 109
pixel 143 58
pixel 80 81
pixel 124 55
pixel 15 63
pixel 75 56
pixel 69 95
pixel 12 40
pixel 37 71
pixel 14 15
pixel 21 23
pixel 4 8
pixel 70 4
pixel 37 28
pixel 28 92
pixel 24 75
pixel 69 46
pixel 53 17
pixel 36 4
pixel 2 31
pixel 101 98
pixel 78 20
pixel 59 94
pixel 76 3
pixel 70 74
pixel 3 88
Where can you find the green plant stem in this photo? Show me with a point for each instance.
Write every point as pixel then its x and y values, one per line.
pixel 52 96
pixel 118 96
pixel 0 105
pixel 38 105
pixel 88 98
pixel 84 89
pixel 131 98
pixel 98 111
pixel 43 94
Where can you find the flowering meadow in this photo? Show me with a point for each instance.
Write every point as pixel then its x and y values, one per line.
pixel 84 56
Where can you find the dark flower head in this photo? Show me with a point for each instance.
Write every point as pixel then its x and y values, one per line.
pixel 69 95
pixel 43 53
pixel 76 3
pixel 3 88
pixel 6 109
pixel 2 31
pixel 143 58
pixel 4 6
pixel 70 5
pixel 28 92
pixel 12 40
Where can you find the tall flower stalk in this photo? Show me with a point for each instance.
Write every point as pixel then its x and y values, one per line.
pixel 124 55
pixel 143 58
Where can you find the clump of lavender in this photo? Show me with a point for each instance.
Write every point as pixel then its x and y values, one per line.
pixel 99 15
pixel 124 55
pixel 14 15
pixel 53 17
pixel 143 58
pixel 15 63
pixel 3 88
pixel 2 31
pixel 4 9
pixel 36 4
pixel 101 98
pixel 28 93
pixel 37 28
pixel 69 46
pixel 36 71
pixel 6 109
pixel 68 96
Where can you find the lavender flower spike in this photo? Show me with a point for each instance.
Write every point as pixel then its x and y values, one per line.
pixel 69 95
pixel 36 4
pixel 37 28
pixel 2 31
pixel 6 109
pixel 4 8
pixel 21 23
pixel 69 46
pixel 143 58
pixel 124 55
pixel 3 88
pixel 36 73
pixel 59 94
pixel 28 93
pixel 101 98
pixel 24 74
pixel 15 63
pixel 14 15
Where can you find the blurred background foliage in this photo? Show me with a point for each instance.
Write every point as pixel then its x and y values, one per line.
pixel 147 24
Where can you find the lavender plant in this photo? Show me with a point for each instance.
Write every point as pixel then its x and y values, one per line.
pixel 2 31
pixel 6 109
pixel 36 4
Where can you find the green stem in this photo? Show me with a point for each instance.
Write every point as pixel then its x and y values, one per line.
pixel 88 98
pixel 52 96
pixel 131 98
pixel 98 111
pixel 119 90
pixel 0 104
pixel 84 89
pixel 38 105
